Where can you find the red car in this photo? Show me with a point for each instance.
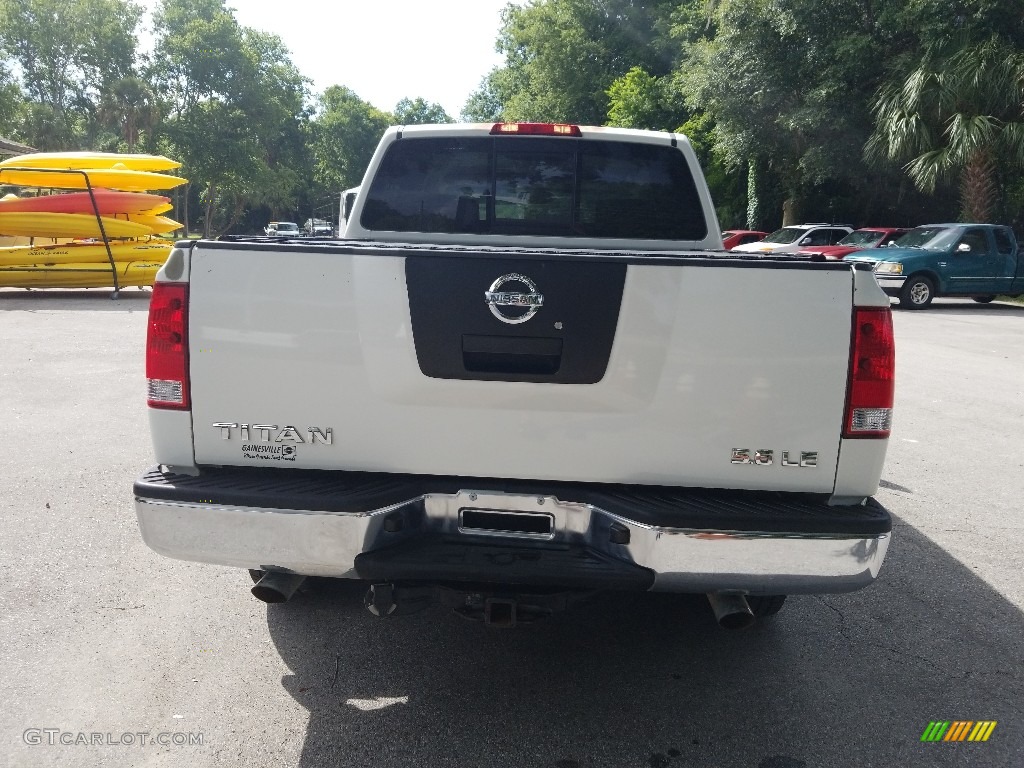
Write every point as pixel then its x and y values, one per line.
pixel 733 237
pixel 867 237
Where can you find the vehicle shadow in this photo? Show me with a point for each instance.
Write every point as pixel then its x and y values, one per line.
pixel 63 299
pixel 650 680
pixel 967 307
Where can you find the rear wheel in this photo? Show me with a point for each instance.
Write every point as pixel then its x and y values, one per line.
pixel 763 606
pixel 983 299
pixel 917 292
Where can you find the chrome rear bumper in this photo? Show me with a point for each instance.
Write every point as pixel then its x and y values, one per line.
pixel 330 543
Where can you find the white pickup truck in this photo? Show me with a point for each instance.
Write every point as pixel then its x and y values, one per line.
pixel 527 374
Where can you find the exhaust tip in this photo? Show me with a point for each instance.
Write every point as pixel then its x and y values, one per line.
pixel 499 612
pixel 736 621
pixel 277 587
pixel 731 610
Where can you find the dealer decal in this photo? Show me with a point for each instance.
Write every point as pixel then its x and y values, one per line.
pixel 264 452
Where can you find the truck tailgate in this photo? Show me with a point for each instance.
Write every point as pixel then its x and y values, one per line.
pixel 635 369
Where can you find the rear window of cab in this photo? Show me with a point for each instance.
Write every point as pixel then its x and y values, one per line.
pixel 535 186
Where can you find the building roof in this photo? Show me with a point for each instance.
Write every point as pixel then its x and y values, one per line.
pixel 12 148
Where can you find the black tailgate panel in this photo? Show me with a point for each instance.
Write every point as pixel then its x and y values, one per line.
pixel 567 340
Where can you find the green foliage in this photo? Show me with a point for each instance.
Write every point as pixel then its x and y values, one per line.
pixel 420 112
pixel 129 106
pixel 224 99
pixel 67 53
pixel 484 105
pixel 960 111
pixel 345 132
pixel 778 99
pixel 12 104
pixel 728 188
pixel 788 85
pixel 198 52
pixel 487 103
pixel 562 56
pixel 640 100
pixel 785 87
pixel 236 107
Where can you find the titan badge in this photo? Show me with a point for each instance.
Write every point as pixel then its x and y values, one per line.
pixel 531 301
pixel 271 433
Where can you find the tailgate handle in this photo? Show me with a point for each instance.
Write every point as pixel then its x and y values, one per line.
pixel 511 354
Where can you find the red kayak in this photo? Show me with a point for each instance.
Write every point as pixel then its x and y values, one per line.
pixel 108 201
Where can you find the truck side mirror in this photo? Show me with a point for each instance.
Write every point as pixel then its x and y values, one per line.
pixel 963 248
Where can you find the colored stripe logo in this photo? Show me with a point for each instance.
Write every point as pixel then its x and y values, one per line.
pixel 958 730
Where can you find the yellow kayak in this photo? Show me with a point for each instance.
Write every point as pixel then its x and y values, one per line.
pixel 113 178
pixel 158 225
pixel 133 162
pixel 67 225
pixel 156 211
pixel 129 274
pixel 84 253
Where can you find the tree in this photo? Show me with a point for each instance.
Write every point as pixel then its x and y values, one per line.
pixel 640 100
pixel 198 52
pixel 345 132
pixel 12 105
pixel 130 106
pixel 420 112
pixel 728 186
pixel 67 53
pixel 236 108
pixel 959 112
pixel 788 87
pixel 562 56
pixel 484 105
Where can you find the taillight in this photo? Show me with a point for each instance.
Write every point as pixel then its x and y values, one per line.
pixel 536 129
pixel 167 347
pixel 872 379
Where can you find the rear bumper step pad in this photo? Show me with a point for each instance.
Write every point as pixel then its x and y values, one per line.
pixel 365 492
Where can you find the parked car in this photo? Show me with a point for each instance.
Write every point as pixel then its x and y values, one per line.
pixel 866 237
pixel 317 228
pixel 980 261
pixel 793 238
pixel 733 237
pixel 282 229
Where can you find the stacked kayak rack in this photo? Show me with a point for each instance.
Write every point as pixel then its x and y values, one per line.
pixel 110 226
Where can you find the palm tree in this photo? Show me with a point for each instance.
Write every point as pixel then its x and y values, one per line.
pixel 131 106
pixel 959 112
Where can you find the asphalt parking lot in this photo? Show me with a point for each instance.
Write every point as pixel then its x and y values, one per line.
pixel 100 637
